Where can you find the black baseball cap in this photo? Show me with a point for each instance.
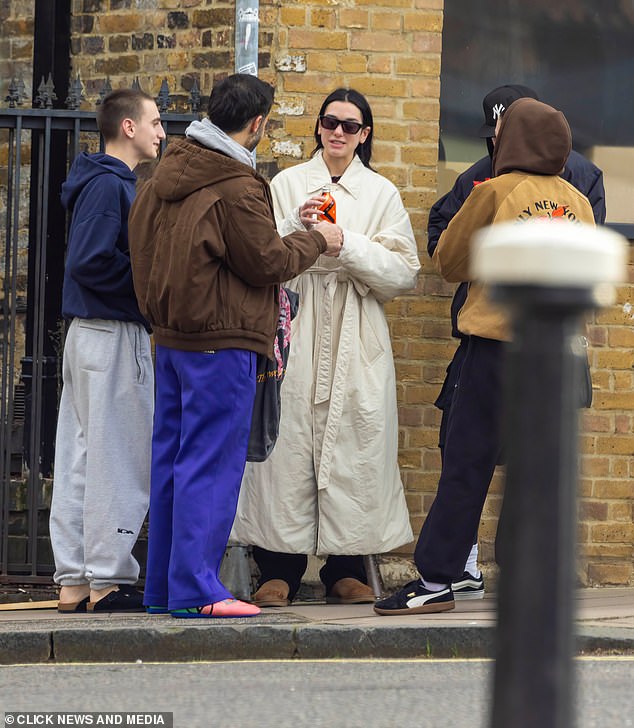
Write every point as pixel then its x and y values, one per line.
pixel 496 102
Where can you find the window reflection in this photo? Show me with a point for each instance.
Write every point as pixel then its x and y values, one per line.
pixel 577 55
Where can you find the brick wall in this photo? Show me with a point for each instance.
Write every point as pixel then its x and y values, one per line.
pixel 606 511
pixel 16 41
pixel 390 50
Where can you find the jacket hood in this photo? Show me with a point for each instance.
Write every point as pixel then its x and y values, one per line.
pixel 187 166
pixel 533 137
pixel 88 166
pixel 213 137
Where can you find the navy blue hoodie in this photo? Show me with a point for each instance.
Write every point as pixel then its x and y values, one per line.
pixel 98 278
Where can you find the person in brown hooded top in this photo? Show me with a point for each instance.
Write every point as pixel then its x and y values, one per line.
pixel 532 145
pixel 207 262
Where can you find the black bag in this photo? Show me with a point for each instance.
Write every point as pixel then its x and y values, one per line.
pixel 265 421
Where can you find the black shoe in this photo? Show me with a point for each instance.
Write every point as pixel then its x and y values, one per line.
pixel 126 599
pixel 129 590
pixel 413 598
pixel 468 587
pixel 73 607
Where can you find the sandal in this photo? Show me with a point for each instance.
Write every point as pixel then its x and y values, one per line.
pixel 153 609
pixel 225 608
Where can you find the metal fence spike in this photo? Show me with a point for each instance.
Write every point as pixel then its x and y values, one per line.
pixel 46 93
pixel 13 97
pixel 105 90
pixel 21 91
pixel 136 85
pixel 194 97
pixel 75 94
pixel 163 99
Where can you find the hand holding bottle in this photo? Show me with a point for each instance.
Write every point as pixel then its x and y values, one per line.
pixel 320 207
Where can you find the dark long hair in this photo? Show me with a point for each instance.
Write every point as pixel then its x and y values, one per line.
pixel 364 151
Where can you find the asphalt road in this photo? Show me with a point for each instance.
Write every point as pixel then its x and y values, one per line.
pixel 332 694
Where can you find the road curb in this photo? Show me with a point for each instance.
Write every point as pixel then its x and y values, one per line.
pixel 171 641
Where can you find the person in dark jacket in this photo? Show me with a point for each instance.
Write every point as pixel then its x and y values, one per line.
pixel 207 262
pixel 102 451
pixel 582 174
pixel 533 144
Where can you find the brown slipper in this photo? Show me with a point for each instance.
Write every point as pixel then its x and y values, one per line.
pixel 350 591
pixel 70 607
pixel 273 593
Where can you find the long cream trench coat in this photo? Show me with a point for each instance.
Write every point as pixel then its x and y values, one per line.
pixel 332 484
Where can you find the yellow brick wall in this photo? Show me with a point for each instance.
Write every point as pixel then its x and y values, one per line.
pixel 389 50
pixel 606 511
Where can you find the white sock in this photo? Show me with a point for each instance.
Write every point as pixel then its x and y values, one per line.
pixel 432 585
pixel 472 562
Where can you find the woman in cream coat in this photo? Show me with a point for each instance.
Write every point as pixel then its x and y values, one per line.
pixel 332 484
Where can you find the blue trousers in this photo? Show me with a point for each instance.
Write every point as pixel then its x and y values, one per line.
pixel 204 402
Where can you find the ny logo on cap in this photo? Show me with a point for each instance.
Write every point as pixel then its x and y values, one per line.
pixel 498 110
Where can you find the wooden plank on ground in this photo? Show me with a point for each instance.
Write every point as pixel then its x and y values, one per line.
pixel 46 604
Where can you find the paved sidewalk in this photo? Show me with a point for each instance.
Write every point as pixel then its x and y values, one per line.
pixel 605 624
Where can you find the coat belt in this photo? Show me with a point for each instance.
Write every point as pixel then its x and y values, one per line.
pixel 332 375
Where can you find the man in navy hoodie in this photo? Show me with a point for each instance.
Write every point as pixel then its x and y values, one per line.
pixel 102 461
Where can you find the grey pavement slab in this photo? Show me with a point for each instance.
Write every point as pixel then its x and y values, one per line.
pixel 604 624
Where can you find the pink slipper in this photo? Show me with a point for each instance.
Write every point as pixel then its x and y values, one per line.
pixel 225 608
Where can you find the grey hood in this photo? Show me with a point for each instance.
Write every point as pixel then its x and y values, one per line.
pixel 211 136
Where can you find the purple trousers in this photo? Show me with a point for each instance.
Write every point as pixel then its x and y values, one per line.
pixel 202 419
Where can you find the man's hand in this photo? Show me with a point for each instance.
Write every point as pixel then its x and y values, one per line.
pixel 334 238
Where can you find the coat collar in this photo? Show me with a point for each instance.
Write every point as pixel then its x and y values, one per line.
pixel 318 175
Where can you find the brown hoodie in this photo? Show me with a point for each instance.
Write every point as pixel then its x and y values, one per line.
pixel 534 138
pixel 206 257
pixel 531 149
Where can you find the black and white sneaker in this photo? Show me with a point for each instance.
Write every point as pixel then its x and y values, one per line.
pixel 413 598
pixel 468 587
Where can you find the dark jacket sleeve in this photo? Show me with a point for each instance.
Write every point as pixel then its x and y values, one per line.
pixel 448 205
pixel 588 179
pixel 596 195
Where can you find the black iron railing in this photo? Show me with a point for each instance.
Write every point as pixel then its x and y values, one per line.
pixel 41 143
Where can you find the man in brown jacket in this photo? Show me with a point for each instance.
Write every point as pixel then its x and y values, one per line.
pixel 207 261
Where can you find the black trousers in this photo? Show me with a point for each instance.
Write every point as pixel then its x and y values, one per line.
pixel 448 389
pixel 291 567
pixel 471 450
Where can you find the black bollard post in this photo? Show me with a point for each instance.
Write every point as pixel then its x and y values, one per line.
pixel 537 534
pixel 546 274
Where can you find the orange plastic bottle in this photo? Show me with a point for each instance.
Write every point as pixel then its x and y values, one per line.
pixel 329 206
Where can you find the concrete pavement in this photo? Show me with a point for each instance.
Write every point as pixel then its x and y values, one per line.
pixel 308 630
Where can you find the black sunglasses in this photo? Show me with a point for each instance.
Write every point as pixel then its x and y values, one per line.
pixel 348 127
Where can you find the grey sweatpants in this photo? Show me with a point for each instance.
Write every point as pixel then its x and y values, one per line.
pixel 101 480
